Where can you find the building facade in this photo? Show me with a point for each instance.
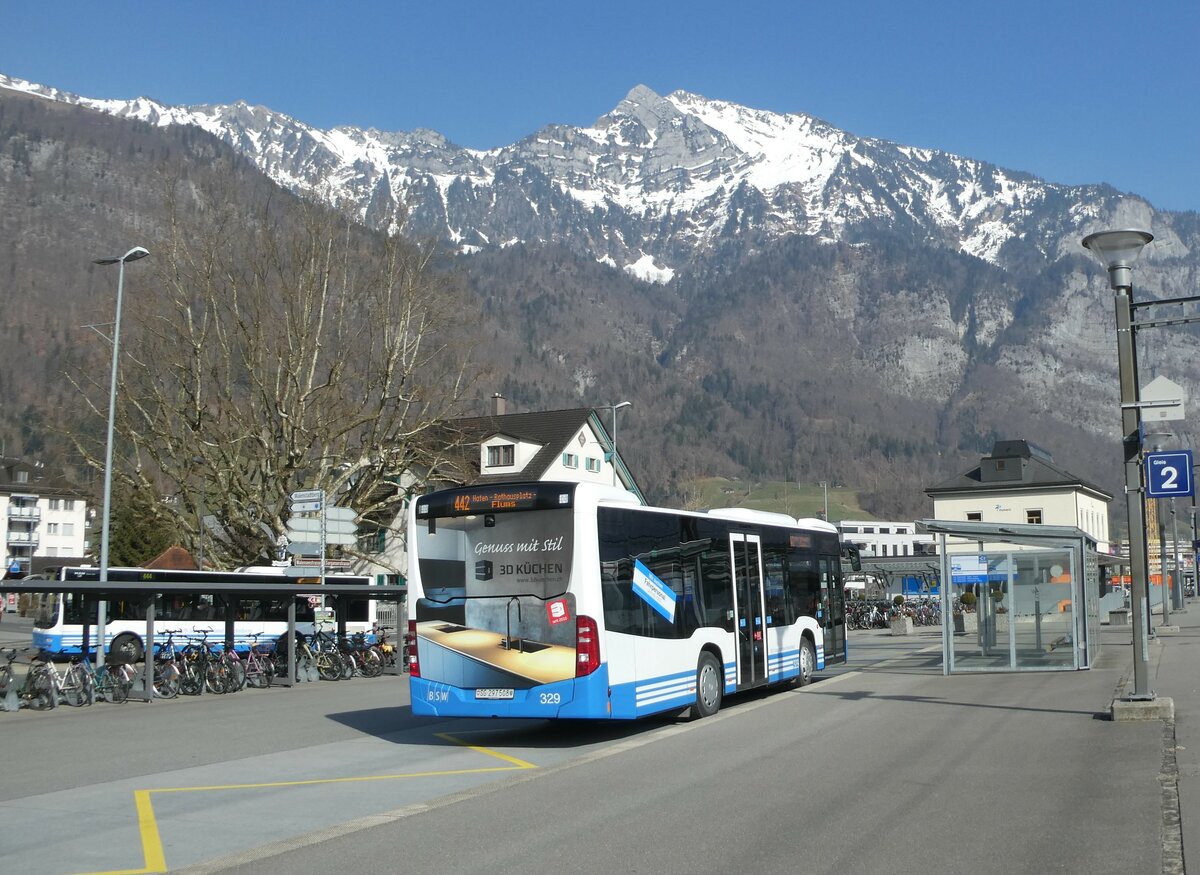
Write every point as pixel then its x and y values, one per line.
pixel 1019 483
pixel 39 517
pixel 886 538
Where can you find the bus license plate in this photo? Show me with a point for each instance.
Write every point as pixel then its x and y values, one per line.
pixel 493 693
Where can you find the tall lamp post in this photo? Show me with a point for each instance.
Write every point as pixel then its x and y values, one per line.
pixel 132 255
pixel 614 408
pixel 1117 251
pixel 825 492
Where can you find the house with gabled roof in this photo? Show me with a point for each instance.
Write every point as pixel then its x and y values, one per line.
pixel 571 445
pixel 551 445
pixel 1019 483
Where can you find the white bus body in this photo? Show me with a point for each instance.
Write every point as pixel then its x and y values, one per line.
pixel 567 600
pixel 58 617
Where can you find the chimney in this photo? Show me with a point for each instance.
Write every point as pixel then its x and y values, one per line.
pixel 498 404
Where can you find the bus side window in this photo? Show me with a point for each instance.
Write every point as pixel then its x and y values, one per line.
pixel 716 589
pixel 779 602
pixel 805 584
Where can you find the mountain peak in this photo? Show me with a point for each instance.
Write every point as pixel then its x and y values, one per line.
pixel 648 108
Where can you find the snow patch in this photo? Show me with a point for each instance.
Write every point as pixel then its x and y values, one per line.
pixel 646 270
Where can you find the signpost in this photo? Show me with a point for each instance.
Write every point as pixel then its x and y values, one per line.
pixel 1169 474
pixel 313 525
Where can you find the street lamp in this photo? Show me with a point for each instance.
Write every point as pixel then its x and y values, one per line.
pixel 1117 251
pixel 824 484
pixel 614 408
pixel 132 255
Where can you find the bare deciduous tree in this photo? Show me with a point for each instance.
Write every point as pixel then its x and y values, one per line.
pixel 289 348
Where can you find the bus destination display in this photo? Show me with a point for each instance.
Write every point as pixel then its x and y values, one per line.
pixel 496 499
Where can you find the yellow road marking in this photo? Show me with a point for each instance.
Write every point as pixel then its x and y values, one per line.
pixel 155 860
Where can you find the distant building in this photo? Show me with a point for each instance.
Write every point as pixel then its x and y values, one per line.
pixel 40 517
pixel 886 538
pixel 1020 483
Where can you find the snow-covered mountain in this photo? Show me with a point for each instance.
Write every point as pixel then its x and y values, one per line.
pixel 657 181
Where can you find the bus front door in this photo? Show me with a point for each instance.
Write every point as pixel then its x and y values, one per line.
pixel 833 613
pixel 746 556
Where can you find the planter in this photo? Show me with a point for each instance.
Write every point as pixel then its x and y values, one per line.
pixel 901 625
pixel 966 622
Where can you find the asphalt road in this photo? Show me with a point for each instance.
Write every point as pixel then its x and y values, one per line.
pixel 885 766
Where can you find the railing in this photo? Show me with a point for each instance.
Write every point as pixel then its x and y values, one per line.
pixel 25 513
pixel 23 538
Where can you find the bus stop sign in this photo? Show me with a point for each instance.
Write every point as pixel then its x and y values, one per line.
pixel 1169 475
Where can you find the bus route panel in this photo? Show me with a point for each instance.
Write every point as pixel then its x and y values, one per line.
pixel 496 499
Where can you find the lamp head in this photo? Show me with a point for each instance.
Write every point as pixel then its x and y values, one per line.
pixel 132 255
pixel 1117 251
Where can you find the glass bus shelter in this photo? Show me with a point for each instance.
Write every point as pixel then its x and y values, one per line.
pixel 1022 597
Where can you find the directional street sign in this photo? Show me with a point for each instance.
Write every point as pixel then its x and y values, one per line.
pixel 304 548
pixel 1169 475
pixel 340 513
pixel 305 500
pixel 304 524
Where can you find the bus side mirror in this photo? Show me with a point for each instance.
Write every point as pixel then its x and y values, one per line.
pixel 851 552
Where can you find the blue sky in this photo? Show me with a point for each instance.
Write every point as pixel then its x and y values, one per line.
pixel 1074 92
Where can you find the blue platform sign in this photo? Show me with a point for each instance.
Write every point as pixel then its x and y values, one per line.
pixel 1169 475
pixel 968 569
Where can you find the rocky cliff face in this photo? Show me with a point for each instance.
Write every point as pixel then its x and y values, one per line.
pixel 913 301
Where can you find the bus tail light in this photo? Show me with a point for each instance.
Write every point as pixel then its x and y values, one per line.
pixel 414 665
pixel 587 646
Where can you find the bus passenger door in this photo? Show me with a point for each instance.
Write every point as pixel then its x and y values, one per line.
pixel 746 555
pixel 833 611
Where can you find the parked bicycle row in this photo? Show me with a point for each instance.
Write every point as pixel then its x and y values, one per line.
pixel 878 613
pixel 199 665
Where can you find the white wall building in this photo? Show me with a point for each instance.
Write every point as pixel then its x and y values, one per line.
pixel 886 538
pixel 1020 484
pixel 39 518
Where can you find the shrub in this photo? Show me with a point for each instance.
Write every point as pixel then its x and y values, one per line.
pixel 897 600
pixel 968 599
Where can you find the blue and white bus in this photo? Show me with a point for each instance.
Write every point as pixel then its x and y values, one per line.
pixel 572 600
pixel 59 618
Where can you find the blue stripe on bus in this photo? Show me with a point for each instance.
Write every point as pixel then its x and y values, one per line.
pixel 587 697
pixel 584 698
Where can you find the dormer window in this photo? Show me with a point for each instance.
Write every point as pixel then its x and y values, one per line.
pixel 501 456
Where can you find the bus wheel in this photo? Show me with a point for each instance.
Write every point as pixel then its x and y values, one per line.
pixel 128 648
pixel 808 662
pixel 708 687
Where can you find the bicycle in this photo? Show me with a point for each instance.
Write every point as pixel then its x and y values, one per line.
pixel 365 659
pixel 387 650
pixel 84 682
pixel 318 650
pixel 168 675
pixel 45 687
pixel 7 679
pixel 259 667
pixel 202 670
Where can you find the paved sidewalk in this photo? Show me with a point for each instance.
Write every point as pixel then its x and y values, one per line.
pixel 1175 673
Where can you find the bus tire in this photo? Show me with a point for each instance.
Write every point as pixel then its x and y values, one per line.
pixel 708 687
pixel 127 648
pixel 808 662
